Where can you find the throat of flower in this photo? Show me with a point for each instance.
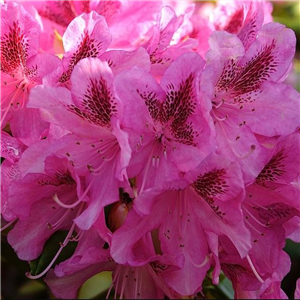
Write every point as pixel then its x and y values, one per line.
pixel 12 99
pixel 153 161
pixel 124 276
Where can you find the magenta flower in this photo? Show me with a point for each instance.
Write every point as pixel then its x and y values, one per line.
pixel 270 202
pixel 97 146
pixel 243 18
pixel 172 133
pixel 243 98
pixel 215 195
pixel 11 150
pixel 122 17
pixel 38 192
pixel 297 291
pixel 159 137
pixel 22 67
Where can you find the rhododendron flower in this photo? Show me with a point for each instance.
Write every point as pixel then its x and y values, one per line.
pixel 97 146
pixel 243 97
pixel 11 150
pixel 90 257
pixel 22 67
pixel 86 36
pixel 172 133
pixel 122 17
pixel 155 140
pixel 243 18
pixel 212 203
pixel 37 191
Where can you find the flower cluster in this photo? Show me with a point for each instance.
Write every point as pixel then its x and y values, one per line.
pixel 158 136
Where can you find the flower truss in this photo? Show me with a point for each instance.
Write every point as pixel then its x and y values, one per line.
pixel 157 139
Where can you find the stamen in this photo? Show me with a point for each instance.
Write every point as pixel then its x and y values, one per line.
pixel 219 105
pixel 254 218
pixel 147 167
pixel 124 282
pixel 256 230
pixel 218 118
pixel 65 242
pixel 205 261
pixel 57 223
pixel 9 106
pixel 78 236
pixel 254 270
pixel 62 245
pixel 100 169
pixel 157 161
pixel 8 224
pixel 109 290
pixel 56 199
pixel 252 148
pixel 258 205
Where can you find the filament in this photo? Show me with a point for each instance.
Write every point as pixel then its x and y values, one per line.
pixel 255 219
pixel 65 242
pixel 56 199
pixel 56 224
pixel 8 224
pixel 62 245
pixel 254 270
pixel 147 168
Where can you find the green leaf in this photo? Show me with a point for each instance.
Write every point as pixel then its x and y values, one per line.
pixel 95 286
pixel 50 249
pixel 226 287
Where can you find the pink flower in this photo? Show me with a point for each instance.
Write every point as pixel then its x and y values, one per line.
pixel 297 291
pixel 170 132
pixel 39 215
pixel 22 67
pixel 90 258
pixel 11 150
pixel 211 204
pixel 270 202
pixel 97 147
pixel 159 47
pixel 243 18
pixel 128 21
pixel 246 92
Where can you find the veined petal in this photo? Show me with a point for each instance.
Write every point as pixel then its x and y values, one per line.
pixel 92 40
pixel 272 52
pixel 92 90
pixel 19 37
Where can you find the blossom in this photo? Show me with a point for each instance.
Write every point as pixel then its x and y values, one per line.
pixel 243 18
pixel 22 67
pixel 155 140
pixel 121 16
pixel 210 204
pixel 243 97
pixel 96 146
pixel 11 149
pixel 172 133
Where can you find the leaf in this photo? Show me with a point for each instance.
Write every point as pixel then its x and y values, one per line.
pixel 226 287
pixel 50 249
pixel 96 285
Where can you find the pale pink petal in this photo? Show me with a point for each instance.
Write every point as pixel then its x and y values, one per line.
pixel 93 38
pixel 120 60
